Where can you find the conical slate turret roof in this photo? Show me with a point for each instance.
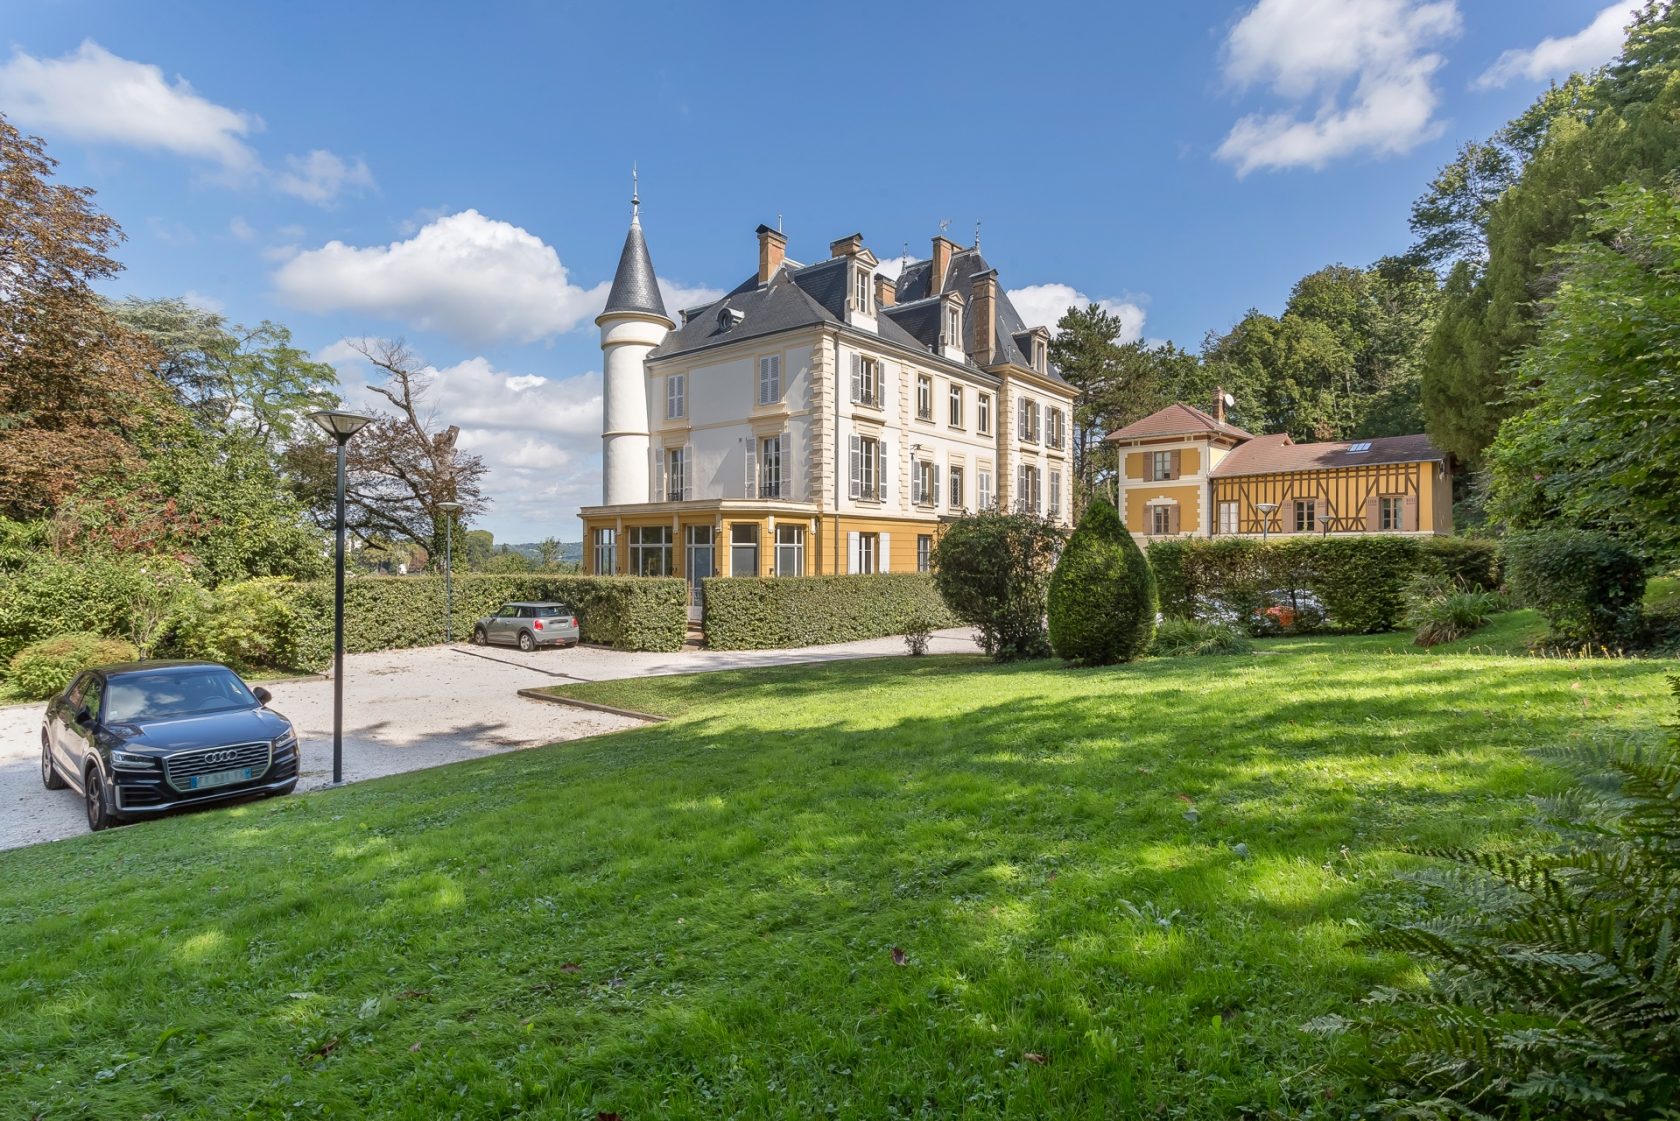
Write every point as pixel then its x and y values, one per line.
pixel 634 287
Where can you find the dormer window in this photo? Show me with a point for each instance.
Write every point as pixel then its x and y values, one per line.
pixel 953 326
pixel 1041 356
pixel 729 317
pixel 862 299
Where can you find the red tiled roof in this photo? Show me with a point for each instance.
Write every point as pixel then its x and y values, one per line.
pixel 1177 419
pixel 1265 454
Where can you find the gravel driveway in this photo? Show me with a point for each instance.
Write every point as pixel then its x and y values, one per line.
pixel 408 709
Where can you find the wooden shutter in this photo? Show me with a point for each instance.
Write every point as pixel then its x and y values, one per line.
pixel 752 472
pixel 857 467
pixel 1037 432
pixel 857 377
pixel 880 494
pixel 688 472
pixel 883 546
pixel 1172 517
pixel 1409 513
pixel 1373 514
pixel 936 484
pixel 657 456
pixel 1149 467
pixel 784 457
pixel 851 552
pixel 1177 468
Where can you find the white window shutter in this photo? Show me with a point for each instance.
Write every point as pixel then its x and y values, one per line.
pixel 752 472
pixel 851 552
pixel 885 546
pixel 656 459
pixel 857 467
pixel 784 456
pixel 936 484
pixel 687 472
pixel 881 471
pixel 857 377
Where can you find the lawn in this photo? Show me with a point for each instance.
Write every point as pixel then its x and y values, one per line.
pixel 932 888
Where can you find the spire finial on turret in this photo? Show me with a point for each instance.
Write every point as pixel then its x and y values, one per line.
pixel 635 196
pixel 977 235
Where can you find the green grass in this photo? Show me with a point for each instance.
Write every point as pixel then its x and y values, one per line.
pixel 699 919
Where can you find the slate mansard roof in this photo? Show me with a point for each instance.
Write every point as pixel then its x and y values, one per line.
pixel 634 287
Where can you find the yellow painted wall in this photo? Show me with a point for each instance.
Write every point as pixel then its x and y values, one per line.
pixel 1341 493
pixel 1188 496
pixel 825 546
pixel 1189 462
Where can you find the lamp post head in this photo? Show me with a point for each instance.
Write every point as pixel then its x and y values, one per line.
pixel 339 424
pixel 1266 507
pixel 449 507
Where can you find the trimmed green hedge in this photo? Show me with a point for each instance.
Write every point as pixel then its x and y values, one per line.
pixel 778 612
pixel 1590 588
pixel 1359 580
pixel 393 612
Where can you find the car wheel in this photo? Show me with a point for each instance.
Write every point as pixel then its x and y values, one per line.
pixel 50 778
pixel 526 642
pixel 479 637
pixel 98 807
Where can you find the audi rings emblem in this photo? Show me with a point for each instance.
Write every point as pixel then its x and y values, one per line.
pixel 219 756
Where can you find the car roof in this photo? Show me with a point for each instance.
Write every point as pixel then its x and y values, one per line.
pixel 533 603
pixel 131 669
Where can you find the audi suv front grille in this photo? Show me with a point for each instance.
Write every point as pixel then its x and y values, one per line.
pixel 184 765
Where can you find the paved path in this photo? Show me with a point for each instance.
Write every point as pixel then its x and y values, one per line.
pixel 408 709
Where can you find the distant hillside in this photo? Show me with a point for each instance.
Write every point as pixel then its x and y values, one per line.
pixel 571 552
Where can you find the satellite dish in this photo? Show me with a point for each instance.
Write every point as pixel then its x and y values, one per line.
pixel 1229 400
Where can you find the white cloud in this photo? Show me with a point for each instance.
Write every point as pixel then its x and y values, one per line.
pixel 540 436
pixel 241 229
pixel 1358 75
pixel 320 177
pixel 1045 304
pixel 470 276
pixel 679 296
pixel 1592 46
pixel 94 95
pixel 892 267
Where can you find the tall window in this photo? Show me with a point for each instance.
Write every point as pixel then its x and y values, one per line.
pixel 954 407
pixel 956 488
pixel 860 291
pixel 676 396
pixel 1227 517
pixel 866 380
pixel 650 550
pixel 676 474
pixel 924 480
pixel 770 466
pixel 924 397
pixel 983 413
pixel 1306 515
pixel 1161 465
pixel 743 549
pixel 869 552
pixel 869 468
pixel 1041 356
pixel 606 552
pixel 1027 498
pixel 1055 494
pixel 953 326
pixel 790 550
pixel 1160 520
pixel 1028 425
pixel 924 552
pixel 770 379
pixel 983 489
pixel 1058 428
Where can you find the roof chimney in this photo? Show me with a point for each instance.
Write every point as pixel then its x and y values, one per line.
pixel 772 248
pixel 982 317
pixel 886 291
pixel 846 246
pixel 943 247
pixel 1220 397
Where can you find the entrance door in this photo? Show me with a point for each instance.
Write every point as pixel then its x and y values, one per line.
pixel 697 562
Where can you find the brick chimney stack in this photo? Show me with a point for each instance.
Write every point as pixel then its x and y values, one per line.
pixel 772 248
pixel 886 291
pixel 1219 403
pixel 982 317
pixel 943 247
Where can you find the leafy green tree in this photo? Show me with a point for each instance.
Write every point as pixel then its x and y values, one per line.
pixel 548 554
pixel 1102 597
pixel 1598 443
pixel 1087 350
pixel 992 569
pixel 479 545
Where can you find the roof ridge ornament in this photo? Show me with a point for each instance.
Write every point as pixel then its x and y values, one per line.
pixel 635 197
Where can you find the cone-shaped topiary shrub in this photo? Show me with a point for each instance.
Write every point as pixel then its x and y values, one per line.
pixel 1102 595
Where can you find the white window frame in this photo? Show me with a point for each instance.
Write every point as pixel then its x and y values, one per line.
pixel 1029 498
pixel 924 396
pixel 955 487
pixel 770 379
pixel 924 483
pixel 866 381
pixel 862 294
pixel 984 494
pixel 1228 517
pixel 924 552
pixel 983 414
pixel 868 461
pixel 868 553
pixel 678 486
pixel 954 406
pixel 1160 520
pixel 1055 494
pixel 790 550
pixel 953 325
pixel 1160 466
pixel 676 396
pixel 1308 506
pixel 1391 513
pixel 606 552
pixel 772 482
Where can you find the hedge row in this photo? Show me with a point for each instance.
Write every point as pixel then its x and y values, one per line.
pixel 770 614
pixel 1360 581
pixel 393 612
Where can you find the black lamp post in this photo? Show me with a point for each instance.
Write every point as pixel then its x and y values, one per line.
pixel 450 509
pixel 340 426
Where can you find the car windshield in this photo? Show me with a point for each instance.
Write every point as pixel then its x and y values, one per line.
pixel 188 691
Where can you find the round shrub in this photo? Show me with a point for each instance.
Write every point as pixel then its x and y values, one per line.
pixel 42 669
pixel 992 570
pixel 1587 586
pixel 1102 596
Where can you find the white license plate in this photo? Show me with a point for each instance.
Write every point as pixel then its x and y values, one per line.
pixel 221 778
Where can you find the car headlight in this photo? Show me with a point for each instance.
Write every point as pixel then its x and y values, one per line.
pixel 286 740
pixel 129 761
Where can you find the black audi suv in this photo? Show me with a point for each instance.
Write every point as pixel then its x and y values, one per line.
pixel 144 738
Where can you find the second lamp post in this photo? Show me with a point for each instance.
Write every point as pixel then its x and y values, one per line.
pixel 450 509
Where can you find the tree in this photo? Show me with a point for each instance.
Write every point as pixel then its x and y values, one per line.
pixel 238 381
pixel 1102 599
pixel 75 389
pixel 478 546
pixel 1598 441
pixel 992 570
pixel 548 554
pixel 399 467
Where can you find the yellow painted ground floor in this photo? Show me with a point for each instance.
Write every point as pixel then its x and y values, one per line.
pixel 1405 498
pixel 694 540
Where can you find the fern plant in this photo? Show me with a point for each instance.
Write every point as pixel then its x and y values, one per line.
pixel 1554 984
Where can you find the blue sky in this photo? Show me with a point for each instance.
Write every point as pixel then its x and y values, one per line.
pixel 460 178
